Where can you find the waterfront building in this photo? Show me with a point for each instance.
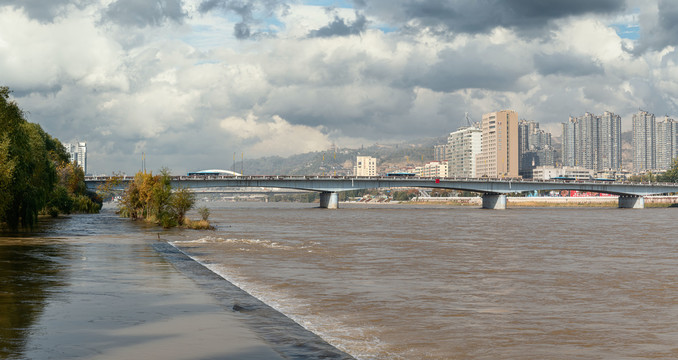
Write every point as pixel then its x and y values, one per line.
pixel 592 142
pixel 550 172
pixel 433 169
pixel 667 142
pixel 610 142
pixel 463 146
pixel 72 152
pixel 82 156
pixel 440 152
pixel 365 166
pixel 644 142
pixel 499 145
pixel 78 154
pixel 535 147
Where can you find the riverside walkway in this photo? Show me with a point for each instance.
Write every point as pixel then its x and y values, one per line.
pixel 631 195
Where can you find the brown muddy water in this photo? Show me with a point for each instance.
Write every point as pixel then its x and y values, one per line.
pixel 434 282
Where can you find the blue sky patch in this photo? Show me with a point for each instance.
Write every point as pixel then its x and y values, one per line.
pixel 626 31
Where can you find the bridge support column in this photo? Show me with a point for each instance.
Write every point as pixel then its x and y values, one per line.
pixel 494 201
pixel 329 200
pixel 631 202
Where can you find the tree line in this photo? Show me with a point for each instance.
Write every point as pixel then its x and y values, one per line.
pixel 36 175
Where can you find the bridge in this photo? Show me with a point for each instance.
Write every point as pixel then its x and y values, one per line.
pixel 631 195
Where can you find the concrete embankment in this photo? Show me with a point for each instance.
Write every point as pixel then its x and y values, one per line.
pixel 549 201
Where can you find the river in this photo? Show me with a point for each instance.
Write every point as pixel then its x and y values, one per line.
pixel 438 282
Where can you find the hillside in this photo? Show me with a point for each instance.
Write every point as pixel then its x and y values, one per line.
pixel 389 157
pixel 341 161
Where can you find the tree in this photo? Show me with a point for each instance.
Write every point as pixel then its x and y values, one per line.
pixel 150 197
pixel 672 174
pixel 182 201
pixel 29 159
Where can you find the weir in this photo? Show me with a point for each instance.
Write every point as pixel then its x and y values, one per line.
pixel 329 200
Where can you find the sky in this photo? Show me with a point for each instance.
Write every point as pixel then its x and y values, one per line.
pixel 190 83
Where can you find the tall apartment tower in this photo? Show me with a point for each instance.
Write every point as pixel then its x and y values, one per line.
pixel 499 145
pixel 609 153
pixel 644 142
pixel 568 143
pixel 72 152
pixel 586 140
pixel 463 146
pixel 81 156
pixel 592 142
pixel 365 166
pixel 667 142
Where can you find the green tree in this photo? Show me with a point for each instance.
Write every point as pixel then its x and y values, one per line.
pixel 182 201
pixel 151 197
pixel 32 175
pixel 672 174
pixel 29 159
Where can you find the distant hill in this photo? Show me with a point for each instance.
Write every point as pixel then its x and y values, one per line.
pixel 341 161
pixel 389 157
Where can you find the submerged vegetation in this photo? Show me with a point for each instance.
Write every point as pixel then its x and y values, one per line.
pixel 151 198
pixel 36 176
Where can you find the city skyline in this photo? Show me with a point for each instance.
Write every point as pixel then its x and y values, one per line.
pixel 188 82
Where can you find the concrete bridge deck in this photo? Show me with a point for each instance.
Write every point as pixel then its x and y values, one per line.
pixel 631 195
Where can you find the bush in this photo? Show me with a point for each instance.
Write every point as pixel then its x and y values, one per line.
pixel 204 213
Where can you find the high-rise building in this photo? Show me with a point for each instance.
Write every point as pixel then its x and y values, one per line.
pixel 592 142
pixel 463 146
pixel 82 156
pixel 440 152
pixel 365 166
pixel 666 142
pixel 499 145
pixel 609 153
pixel 72 152
pixel 569 157
pixel 78 154
pixel 535 147
pixel 644 142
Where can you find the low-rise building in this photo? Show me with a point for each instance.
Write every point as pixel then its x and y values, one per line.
pixel 550 172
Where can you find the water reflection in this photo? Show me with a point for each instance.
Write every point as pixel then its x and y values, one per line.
pixel 30 272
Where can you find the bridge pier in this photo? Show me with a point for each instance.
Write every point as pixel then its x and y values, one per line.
pixel 329 200
pixel 494 201
pixel 631 202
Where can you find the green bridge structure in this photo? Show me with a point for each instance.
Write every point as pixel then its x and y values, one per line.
pixel 630 195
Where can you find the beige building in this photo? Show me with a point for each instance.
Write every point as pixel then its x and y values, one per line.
pixel 433 169
pixel 365 166
pixel 499 156
pixel 550 172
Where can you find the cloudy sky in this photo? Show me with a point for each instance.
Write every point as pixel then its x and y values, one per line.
pixel 191 82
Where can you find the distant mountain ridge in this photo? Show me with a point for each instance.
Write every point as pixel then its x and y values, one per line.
pixel 389 157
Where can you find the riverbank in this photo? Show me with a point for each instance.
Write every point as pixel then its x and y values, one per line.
pixel 547 201
pixel 100 287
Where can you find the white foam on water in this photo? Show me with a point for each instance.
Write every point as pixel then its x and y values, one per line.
pixel 349 339
pixel 220 240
